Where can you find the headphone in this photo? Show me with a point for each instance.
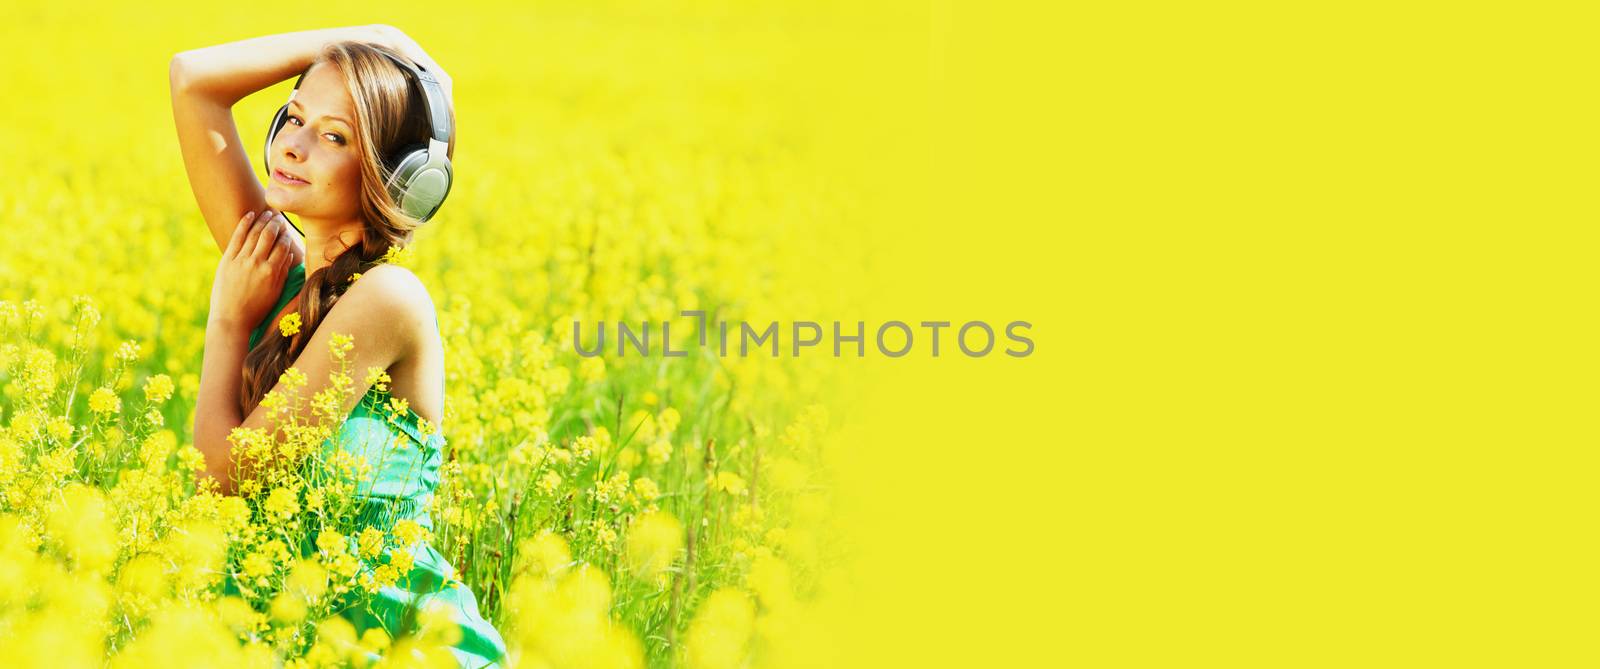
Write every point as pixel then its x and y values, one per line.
pixel 420 174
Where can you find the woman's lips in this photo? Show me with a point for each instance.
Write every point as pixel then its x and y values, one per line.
pixel 280 177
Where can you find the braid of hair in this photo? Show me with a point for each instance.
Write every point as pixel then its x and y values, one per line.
pixel 274 353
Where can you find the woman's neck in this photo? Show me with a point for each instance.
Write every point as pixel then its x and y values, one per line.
pixel 325 242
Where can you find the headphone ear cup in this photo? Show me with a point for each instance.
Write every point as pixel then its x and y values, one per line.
pixel 272 131
pixel 419 185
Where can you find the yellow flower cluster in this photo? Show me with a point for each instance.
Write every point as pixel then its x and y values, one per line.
pixel 158 388
pixel 289 325
pixel 105 401
pixel 281 503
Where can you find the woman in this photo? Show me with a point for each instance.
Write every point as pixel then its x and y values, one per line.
pixel 353 110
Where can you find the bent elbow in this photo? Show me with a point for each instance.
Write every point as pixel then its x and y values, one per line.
pixel 183 70
pixel 177 73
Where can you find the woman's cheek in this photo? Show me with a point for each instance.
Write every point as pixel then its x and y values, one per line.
pixel 350 190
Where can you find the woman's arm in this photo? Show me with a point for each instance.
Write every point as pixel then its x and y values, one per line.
pixel 383 314
pixel 206 83
pixel 226 73
pixel 248 282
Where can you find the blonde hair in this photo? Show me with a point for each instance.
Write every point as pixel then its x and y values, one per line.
pixel 389 115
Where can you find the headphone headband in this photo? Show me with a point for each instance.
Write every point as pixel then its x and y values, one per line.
pixel 433 99
pixel 435 106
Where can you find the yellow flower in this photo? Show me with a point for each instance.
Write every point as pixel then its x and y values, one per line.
pixel 396 256
pixel 234 512
pixel 668 420
pixel 281 502
pixel 292 378
pixel 344 564
pixel 257 565
pixel 370 543
pixel 401 559
pixel 728 482
pixel 408 532
pixel 158 388
pixel 60 428
pixel 331 542
pixel 592 369
pixel 288 609
pixel 104 401
pixel 314 500
pixel 289 325
pixel 191 458
pixel 375 639
pixel 386 576
pixel 277 550
pixel 334 636
pixel 653 541
pixel 606 491
pixel 340 344
pixel 584 447
pixel 545 554
pixel 646 489
pixel 378 378
pixel 549 482
pixel 603 534
pixel 660 452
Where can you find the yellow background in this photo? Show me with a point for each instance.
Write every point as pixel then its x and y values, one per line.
pixel 1314 382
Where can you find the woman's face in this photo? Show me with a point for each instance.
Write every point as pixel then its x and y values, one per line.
pixel 317 145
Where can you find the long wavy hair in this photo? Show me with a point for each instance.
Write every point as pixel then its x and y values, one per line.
pixel 389 114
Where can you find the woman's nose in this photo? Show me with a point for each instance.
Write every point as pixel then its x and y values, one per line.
pixel 288 140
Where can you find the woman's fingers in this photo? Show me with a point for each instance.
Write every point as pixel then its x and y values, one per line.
pixel 262 236
pixel 253 237
pixel 267 235
pixel 240 233
pixel 281 250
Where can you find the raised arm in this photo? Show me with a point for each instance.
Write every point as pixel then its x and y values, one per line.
pixel 206 83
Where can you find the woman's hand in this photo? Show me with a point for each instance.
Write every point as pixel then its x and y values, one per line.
pixel 399 41
pixel 250 276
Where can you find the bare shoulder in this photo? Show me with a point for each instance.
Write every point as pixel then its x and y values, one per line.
pixel 392 282
pixel 391 296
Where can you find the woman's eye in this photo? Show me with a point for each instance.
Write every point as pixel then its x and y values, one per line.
pixel 336 138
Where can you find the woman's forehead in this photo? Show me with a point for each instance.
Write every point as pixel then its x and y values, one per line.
pixel 322 93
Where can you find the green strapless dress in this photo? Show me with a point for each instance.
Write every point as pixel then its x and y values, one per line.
pixel 405 474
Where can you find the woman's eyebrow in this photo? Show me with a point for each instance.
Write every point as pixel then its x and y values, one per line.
pixel 296 103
